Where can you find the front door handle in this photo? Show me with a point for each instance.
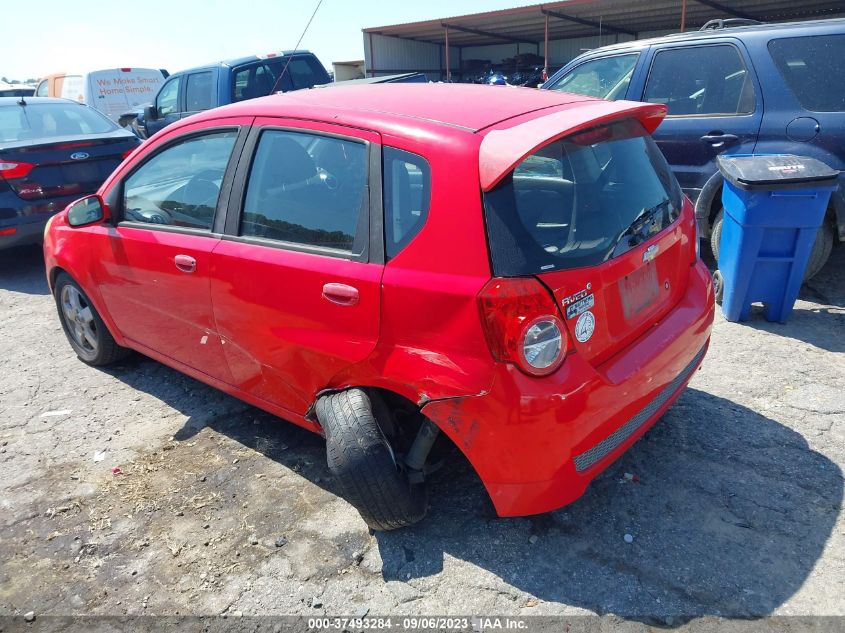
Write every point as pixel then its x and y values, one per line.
pixel 340 294
pixel 717 139
pixel 185 263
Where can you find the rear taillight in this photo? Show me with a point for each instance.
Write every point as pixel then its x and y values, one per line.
pixel 522 325
pixel 9 170
pixel 126 154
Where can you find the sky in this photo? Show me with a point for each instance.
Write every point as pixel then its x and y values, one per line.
pixel 80 35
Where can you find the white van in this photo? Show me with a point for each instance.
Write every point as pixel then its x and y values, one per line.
pixel 112 91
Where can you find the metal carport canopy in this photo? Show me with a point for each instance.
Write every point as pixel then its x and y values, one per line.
pixel 582 18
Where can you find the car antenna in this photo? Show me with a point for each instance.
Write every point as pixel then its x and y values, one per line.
pixel 295 48
pixel 22 101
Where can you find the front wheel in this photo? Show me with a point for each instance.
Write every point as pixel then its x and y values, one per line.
pixel 85 330
pixel 364 463
pixel 818 256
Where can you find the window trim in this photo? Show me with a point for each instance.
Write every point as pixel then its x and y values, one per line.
pixel 745 63
pixel 372 252
pixel 636 53
pixel 115 198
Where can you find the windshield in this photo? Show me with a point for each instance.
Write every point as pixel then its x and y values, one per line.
pixel 45 120
pixel 580 201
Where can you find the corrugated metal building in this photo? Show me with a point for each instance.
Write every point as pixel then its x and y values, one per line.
pixel 557 31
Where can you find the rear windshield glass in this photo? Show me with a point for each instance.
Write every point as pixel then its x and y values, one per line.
pixel 44 120
pixel 580 201
pixel 814 68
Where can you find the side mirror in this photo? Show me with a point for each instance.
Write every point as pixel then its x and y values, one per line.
pixel 150 113
pixel 85 211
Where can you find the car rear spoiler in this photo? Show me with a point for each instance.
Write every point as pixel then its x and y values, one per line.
pixel 502 150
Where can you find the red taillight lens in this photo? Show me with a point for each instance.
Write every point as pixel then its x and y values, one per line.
pixel 522 325
pixel 126 154
pixel 9 170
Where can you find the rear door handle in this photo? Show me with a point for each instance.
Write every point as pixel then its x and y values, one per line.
pixel 717 139
pixel 340 294
pixel 185 263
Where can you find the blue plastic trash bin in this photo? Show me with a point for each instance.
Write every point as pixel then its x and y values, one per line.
pixel 773 207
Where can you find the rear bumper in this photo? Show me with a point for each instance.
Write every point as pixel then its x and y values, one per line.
pixel 537 443
pixel 17 234
pixel 26 226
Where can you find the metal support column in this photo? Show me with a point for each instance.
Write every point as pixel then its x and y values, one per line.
pixel 546 50
pixel 448 66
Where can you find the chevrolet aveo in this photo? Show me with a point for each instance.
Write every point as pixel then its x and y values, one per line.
pixel 387 265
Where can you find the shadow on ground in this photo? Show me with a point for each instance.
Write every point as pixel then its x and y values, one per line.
pixel 730 514
pixel 22 270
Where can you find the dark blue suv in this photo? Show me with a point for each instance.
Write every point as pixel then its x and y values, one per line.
pixel 765 88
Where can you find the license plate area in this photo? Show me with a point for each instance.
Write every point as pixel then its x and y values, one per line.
pixel 81 173
pixel 639 290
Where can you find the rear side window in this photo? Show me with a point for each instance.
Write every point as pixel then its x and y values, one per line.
pixel 253 81
pixel 180 185
pixel 308 190
pixel 199 92
pixel 580 201
pixel 606 78
pixel 701 81
pixel 407 189
pixel 814 69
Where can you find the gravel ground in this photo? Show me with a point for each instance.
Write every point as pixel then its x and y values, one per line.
pixel 735 507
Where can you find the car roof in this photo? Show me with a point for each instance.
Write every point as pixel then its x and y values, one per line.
pixel 239 61
pixel 408 106
pixel 746 31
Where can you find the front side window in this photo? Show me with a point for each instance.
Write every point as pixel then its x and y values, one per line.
pixel 407 188
pixel 309 190
pixel 199 92
pixel 606 78
pixel 814 69
pixel 701 81
pixel 581 201
pixel 167 98
pixel 180 185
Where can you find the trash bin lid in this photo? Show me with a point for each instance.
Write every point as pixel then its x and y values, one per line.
pixel 775 171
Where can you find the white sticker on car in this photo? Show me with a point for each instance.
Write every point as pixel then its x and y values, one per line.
pixel 585 326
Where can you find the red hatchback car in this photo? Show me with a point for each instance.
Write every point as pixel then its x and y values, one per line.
pixel 515 269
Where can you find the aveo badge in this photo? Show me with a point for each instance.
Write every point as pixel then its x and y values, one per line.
pixel 79 156
pixel 585 326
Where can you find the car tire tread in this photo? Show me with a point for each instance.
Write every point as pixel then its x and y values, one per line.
pixel 360 458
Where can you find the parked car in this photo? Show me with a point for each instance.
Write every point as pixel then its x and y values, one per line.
pixel 111 91
pixel 198 89
pixel 385 265
pixel 52 151
pixel 15 90
pixel 766 88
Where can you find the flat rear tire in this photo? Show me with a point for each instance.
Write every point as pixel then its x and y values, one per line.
pixel 364 463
